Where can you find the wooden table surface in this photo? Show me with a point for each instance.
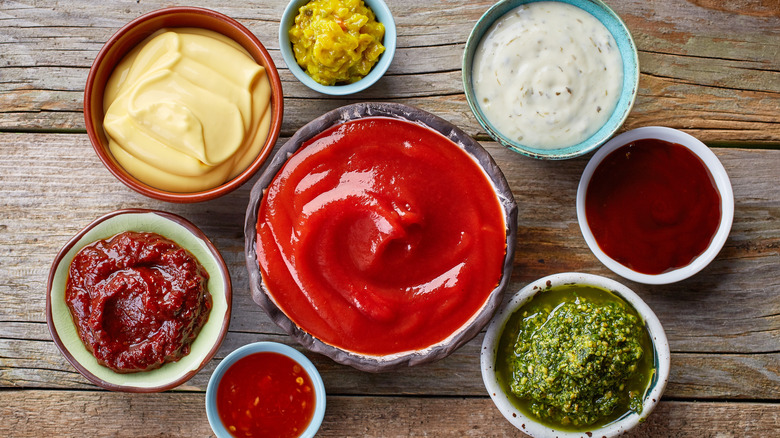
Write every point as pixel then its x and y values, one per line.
pixel 708 67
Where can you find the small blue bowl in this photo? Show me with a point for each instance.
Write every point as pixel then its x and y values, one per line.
pixel 628 52
pixel 383 16
pixel 258 347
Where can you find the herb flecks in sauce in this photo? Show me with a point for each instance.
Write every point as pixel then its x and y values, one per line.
pixel 567 77
pixel 575 357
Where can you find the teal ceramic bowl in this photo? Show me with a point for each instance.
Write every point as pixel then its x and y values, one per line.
pixel 259 347
pixel 628 52
pixel 383 16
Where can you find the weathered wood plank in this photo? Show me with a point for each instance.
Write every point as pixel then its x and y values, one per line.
pixel 38 220
pixel 720 82
pixel 730 308
pixel 708 67
pixel 697 313
pixel 32 361
pixel 49 413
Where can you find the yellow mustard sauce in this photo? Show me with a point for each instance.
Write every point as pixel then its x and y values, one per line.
pixel 187 110
pixel 336 41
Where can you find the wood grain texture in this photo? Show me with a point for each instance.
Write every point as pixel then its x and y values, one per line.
pixel 732 308
pixel 40 413
pixel 709 69
pixel 32 361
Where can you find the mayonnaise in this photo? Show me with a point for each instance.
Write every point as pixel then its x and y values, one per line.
pixel 187 110
pixel 547 75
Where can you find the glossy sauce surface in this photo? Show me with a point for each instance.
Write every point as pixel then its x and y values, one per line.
pixel 575 357
pixel 187 110
pixel 266 395
pixel 380 236
pixel 138 300
pixel 547 75
pixel 652 206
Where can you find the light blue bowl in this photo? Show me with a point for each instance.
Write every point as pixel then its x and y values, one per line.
pixel 630 78
pixel 383 16
pixel 211 391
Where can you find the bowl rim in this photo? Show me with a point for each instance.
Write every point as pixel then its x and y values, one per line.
pixel 123 40
pixel 399 111
pixel 716 170
pixel 77 242
pixel 620 113
pixel 265 347
pixel 531 426
pixel 383 15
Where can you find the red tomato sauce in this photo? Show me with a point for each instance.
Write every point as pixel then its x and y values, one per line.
pixel 380 236
pixel 653 206
pixel 266 395
pixel 138 300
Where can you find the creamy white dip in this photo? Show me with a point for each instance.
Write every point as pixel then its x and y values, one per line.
pixel 547 75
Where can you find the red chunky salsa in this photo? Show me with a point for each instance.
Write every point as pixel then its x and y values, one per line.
pixel 266 395
pixel 138 300
pixel 380 236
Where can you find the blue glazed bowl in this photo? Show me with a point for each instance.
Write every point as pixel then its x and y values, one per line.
pixel 383 16
pixel 630 78
pixel 258 347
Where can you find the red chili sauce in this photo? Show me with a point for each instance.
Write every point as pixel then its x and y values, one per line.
pixel 138 300
pixel 380 236
pixel 652 206
pixel 266 395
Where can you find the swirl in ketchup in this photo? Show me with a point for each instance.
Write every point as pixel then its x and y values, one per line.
pixel 380 236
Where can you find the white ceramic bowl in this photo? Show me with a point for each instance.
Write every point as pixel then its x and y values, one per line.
pixel 722 183
pixel 259 347
pixel 531 426
pixel 383 15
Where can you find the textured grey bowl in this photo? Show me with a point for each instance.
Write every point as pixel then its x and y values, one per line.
pixel 403 112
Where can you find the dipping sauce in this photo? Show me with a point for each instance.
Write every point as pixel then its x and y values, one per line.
pixel 336 41
pixel 547 75
pixel 380 236
pixel 138 300
pixel 652 206
pixel 575 357
pixel 266 395
pixel 187 110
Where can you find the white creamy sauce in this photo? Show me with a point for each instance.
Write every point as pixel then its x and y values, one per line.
pixel 547 75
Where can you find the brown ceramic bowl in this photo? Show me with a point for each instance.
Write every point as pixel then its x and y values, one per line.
pixel 124 41
pixel 172 374
pixel 378 363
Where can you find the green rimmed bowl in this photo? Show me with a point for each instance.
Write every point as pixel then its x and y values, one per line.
pixel 628 53
pixel 205 346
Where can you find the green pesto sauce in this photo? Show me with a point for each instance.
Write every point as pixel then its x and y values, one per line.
pixel 575 357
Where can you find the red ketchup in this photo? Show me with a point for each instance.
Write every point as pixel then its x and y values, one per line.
pixel 652 206
pixel 266 395
pixel 380 236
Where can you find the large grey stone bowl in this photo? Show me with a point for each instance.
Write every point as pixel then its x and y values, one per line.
pixel 374 363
